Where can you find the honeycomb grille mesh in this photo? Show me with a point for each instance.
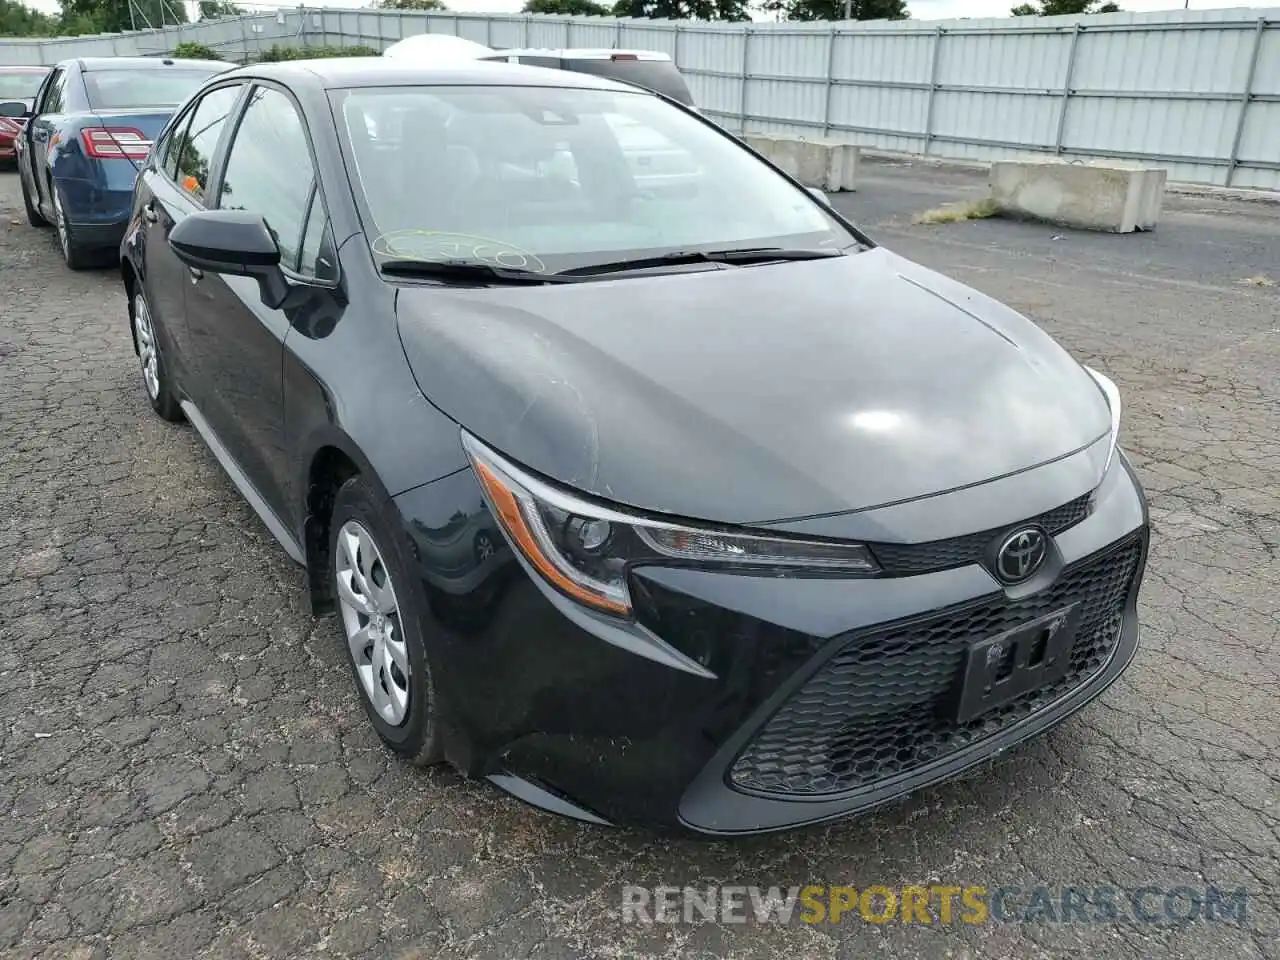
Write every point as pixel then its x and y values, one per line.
pixel 879 707
pixel 905 559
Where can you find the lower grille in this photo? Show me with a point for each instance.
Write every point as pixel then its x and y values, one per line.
pixel 878 707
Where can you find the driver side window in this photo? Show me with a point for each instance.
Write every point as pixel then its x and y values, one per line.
pixel 269 172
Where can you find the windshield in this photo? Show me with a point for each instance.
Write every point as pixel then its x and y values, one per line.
pixel 20 85
pixel 552 179
pixel 156 87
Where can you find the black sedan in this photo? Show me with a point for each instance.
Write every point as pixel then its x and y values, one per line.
pixel 681 505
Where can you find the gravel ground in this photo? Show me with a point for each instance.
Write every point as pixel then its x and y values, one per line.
pixel 185 770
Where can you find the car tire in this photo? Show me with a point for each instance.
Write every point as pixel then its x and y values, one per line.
pixel 33 215
pixel 75 255
pixel 382 628
pixel 156 380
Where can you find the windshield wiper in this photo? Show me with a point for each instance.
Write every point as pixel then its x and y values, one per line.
pixel 739 256
pixel 468 270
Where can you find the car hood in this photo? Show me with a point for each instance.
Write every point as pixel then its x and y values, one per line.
pixel 753 394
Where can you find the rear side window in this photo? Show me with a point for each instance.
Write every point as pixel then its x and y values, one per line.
pixel 55 96
pixel 200 140
pixel 156 87
pixel 659 75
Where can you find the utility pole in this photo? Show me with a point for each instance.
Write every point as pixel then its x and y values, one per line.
pixel 848 9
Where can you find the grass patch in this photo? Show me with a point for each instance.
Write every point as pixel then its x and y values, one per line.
pixel 959 212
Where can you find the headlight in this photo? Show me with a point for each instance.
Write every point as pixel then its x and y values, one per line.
pixel 1112 394
pixel 584 549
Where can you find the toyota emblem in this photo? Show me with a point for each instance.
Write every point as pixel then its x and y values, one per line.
pixel 1020 555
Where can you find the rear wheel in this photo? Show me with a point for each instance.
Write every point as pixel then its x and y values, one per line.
pixel 76 256
pixel 155 375
pixel 378 610
pixel 33 215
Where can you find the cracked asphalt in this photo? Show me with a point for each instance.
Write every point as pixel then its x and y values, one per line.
pixel 185 770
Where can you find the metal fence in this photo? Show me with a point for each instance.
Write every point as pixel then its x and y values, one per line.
pixel 1195 91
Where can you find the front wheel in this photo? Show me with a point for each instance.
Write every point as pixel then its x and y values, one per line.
pixel 378 610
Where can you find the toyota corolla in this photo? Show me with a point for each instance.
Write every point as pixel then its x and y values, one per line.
pixel 691 508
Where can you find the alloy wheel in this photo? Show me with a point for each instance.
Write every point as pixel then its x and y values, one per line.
pixel 371 619
pixel 146 337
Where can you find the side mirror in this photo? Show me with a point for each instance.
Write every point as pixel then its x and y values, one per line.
pixel 13 109
pixel 234 242
pixel 820 195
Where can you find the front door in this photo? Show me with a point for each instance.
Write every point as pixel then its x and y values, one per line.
pixel 268 170
pixel 48 109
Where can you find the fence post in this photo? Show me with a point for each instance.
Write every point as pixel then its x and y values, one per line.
pixel 933 88
pixel 1245 97
pixel 568 34
pixel 676 44
pixel 1066 89
pixel 617 33
pixel 831 81
pixel 527 27
pixel 746 72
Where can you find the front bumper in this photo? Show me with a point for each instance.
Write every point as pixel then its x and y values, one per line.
pixel 715 727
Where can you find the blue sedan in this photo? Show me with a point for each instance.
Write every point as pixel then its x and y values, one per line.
pixel 90 129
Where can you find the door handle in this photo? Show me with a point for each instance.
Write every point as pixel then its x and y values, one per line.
pixel 149 214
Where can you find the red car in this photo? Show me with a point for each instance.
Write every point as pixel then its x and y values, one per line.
pixel 18 86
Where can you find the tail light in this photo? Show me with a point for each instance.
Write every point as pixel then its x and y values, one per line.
pixel 9 128
pixel 112 143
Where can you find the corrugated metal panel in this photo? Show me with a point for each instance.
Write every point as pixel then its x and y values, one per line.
pixel 1197 91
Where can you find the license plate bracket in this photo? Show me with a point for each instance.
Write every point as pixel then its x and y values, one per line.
pixel 1015 662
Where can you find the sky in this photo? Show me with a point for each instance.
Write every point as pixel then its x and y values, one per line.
pixel 920 9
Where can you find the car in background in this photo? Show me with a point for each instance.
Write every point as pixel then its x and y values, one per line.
pixel 656 164
pixel 650 69
pixel 89 130
pixel 18 88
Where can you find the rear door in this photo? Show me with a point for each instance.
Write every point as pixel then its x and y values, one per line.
pixel 161 204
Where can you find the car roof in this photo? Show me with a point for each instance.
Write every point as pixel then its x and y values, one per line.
pixel 132 63
pixel 583 53
pixel 345 72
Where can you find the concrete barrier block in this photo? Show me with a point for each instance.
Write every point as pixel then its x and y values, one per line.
pixel 831 165
pixel 1115 198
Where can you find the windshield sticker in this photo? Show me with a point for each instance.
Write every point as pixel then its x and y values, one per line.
pixel 438 245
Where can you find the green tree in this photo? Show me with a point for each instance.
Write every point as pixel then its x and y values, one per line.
pixel 1059 8
pixel 574 8
pixel 194 51
pixel 734 10
pixel 19 20
pixel 410 5
pixel 114 16
pixel 213 9
pixel 835 9
pixel 278 53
